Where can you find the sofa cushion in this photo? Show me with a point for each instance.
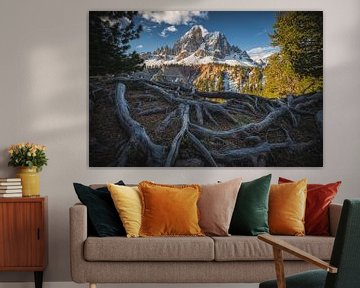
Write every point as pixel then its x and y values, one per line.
pixel 149 249
pixel 244 248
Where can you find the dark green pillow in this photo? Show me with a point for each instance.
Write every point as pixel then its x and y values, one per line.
pixel 250 216
pixel 103 218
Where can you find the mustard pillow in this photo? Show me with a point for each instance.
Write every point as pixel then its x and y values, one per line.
pixel 127 201
pixel 169 210
pixel 287 204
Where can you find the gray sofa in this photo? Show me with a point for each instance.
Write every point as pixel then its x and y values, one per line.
pixel 234 259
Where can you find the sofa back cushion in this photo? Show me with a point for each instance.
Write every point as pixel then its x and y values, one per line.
pixel 169 210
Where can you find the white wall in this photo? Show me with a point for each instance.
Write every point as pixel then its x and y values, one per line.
pixel 44 84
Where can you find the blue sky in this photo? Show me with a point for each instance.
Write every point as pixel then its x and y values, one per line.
pixel 245 29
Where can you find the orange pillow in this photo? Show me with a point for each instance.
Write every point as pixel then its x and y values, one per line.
pixel 318 200
pixel 287 204
pixel 169 210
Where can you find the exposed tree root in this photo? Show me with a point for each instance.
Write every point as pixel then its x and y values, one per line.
pixel 202 149
pixel 175 145
pixel 173 98
pixel 119 151
pixel 136 131
pixel 166 122
pixel 199 114
pixel 209 116
pixel 265 147
pixel 146 98
pixel 244 129
pixel 155 110
pixel 256 147
pixel 124 155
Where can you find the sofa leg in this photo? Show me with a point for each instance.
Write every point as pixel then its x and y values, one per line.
pixel 92 285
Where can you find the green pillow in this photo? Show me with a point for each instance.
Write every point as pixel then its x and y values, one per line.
pixel 250 216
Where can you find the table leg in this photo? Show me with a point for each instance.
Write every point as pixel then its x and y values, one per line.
pixel 38 279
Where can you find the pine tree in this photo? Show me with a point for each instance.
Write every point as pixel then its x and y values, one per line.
pixel 299 34
pixel 109 35
pixel 281 79
pixel 212 84
pixel 298 67
pixel 220 83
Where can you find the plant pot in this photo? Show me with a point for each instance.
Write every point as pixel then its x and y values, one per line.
pixel 30 181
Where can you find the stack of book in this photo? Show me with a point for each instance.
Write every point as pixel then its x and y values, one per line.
pixel 10 187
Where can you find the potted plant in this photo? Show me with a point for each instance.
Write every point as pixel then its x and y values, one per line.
pixel 30 158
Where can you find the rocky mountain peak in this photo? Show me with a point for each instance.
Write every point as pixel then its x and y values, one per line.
pixel 191 40
pixel 199 46
pixel 196 31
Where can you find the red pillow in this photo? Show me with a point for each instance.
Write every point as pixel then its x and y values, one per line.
pixel 319 197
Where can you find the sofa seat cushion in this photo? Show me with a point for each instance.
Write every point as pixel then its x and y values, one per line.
pixel 149 249
pixel 245 248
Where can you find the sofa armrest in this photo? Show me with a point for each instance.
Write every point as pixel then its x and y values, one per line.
pixel 334 216
pixel 78 235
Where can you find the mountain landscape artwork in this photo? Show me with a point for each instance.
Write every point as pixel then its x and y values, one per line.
pixel 205 89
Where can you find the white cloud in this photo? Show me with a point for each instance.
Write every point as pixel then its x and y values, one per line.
pixel 139 46
pixel 262 53
pixel 146 28
pixel 171 28
pixel 172 17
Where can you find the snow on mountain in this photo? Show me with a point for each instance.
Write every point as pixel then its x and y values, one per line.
pixel 199 46
pixel 189 33
pixel 261 54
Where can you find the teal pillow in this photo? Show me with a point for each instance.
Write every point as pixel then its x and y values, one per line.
pixel 250 216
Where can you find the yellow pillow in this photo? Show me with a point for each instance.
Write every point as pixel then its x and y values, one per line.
pixel 287 204
pixel 127 201
pixel 169 210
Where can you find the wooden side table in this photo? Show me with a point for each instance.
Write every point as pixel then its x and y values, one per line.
pixel 23 235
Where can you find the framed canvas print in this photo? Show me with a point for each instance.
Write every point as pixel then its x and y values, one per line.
pixel 205 89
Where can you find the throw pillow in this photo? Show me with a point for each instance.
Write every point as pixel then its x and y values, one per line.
pixel 216 206
pixel 319 197
pixel 127 201
pixel 102 215
pixel 169 210
pixel 250 215
pixel 287 204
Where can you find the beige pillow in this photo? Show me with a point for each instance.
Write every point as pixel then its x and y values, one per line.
pixel 216 205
